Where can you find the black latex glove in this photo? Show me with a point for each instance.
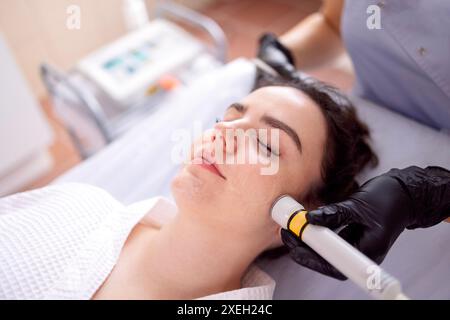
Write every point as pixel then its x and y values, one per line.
pixel 377 213
pixel 277 56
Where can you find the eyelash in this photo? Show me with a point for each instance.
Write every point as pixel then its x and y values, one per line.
pixel 268 147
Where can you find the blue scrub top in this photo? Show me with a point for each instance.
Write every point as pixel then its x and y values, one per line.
pixel 405 65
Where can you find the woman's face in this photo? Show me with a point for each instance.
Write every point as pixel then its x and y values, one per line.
pixel 237 195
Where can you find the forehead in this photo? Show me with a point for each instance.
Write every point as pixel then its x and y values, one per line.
pixel 287 104
pixel 276 95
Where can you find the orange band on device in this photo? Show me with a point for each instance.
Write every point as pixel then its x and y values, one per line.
pixel 297 223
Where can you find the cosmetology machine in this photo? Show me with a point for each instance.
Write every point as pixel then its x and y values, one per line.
pixel 113 88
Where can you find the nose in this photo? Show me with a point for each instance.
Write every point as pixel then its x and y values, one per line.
pixel 224 133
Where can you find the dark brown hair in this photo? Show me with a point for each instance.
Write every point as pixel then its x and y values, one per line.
pixel 347 150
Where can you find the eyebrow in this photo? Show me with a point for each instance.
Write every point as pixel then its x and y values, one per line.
pixel 275 123
pixel 238 106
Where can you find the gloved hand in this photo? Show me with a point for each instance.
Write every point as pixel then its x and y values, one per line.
pixel 377 213
pixel 277 56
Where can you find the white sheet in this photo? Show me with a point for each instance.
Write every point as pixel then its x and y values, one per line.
pixel 60 242
pixel 138 166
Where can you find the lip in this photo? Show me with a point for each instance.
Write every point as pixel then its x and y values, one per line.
pixel 209 165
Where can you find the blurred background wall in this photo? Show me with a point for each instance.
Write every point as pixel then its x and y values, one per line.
pixel 36 31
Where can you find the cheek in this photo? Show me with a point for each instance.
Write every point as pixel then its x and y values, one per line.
pixel 250 183
pixel 296 177
pixel 252 194
pixel 258 183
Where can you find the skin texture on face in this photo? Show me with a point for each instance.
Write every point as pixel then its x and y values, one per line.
pixel 238 199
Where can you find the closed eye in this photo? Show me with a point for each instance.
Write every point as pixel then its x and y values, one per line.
pixel 267 147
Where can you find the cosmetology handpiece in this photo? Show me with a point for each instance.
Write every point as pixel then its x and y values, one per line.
pixel 291 215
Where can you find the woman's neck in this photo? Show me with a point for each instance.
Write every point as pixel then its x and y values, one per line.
pixel 188 259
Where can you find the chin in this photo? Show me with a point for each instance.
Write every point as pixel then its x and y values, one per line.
pixel 191 191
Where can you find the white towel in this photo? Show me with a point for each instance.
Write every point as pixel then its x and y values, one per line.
pixel 62 241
